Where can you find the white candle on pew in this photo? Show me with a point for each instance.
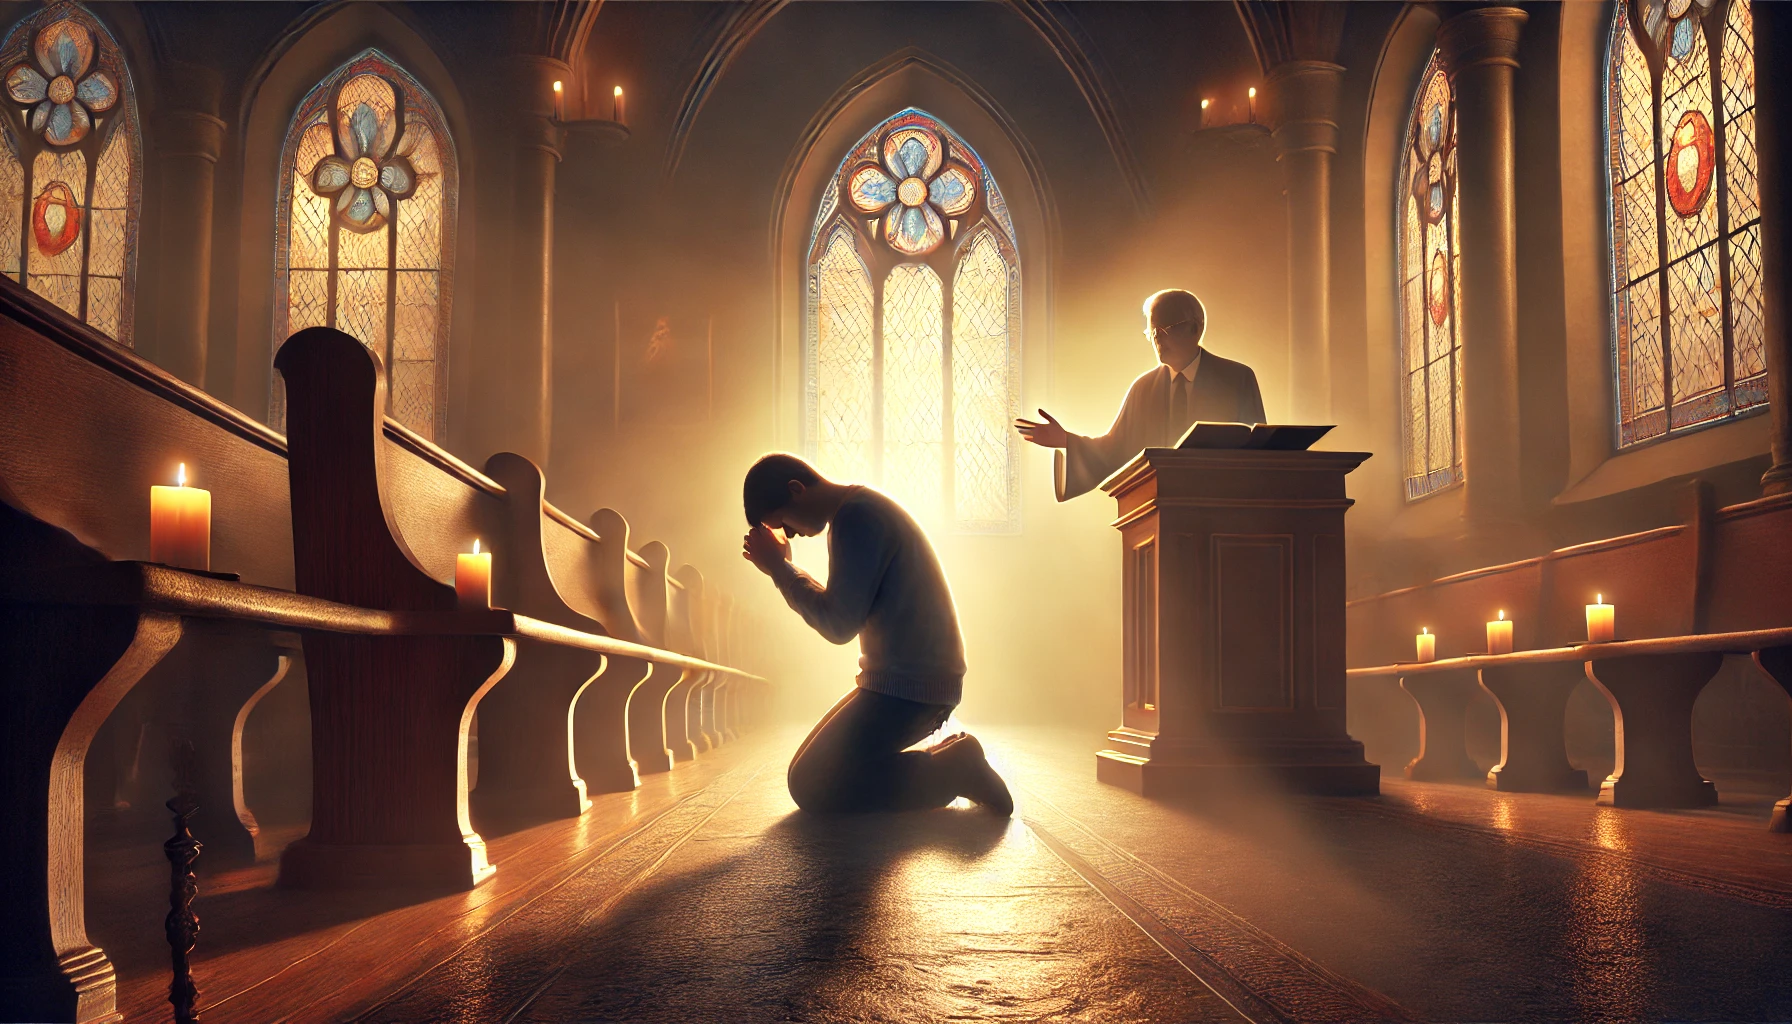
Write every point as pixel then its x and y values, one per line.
pixel 473 578
pixel 180 524
pixel 1427 644
pixel 1499 635
pixel 1601 621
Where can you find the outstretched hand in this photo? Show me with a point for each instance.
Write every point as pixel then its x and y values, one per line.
pixel 764 549
pixel 1047 435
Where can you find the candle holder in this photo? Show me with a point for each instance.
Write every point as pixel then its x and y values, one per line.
pixel 596 129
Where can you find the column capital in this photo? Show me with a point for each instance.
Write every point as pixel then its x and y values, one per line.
pixel 1481 37
pixel 187 123
pixel 1303 105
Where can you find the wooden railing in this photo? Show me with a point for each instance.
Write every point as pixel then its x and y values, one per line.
pixel 338 540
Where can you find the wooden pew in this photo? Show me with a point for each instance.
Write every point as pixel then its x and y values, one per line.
pixel 390 714
pixel 1722 571
pixel 601 724
pixel 656 715
pixel 523 773
pixel 684 706
pixel 700 702
pixel 85 427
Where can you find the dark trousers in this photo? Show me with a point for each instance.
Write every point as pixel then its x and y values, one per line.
pixel 854 759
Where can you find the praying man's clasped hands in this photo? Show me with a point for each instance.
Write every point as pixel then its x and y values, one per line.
pixel 765 548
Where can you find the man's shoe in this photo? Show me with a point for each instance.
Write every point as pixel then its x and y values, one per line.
pixel 977 780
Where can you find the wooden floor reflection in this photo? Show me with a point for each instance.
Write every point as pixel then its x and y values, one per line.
pixel 705 896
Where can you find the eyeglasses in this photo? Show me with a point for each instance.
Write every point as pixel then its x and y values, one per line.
pixel 1151 333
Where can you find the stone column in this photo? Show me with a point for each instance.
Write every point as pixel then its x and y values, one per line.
pixel 1481 48
pixel 189 137
pixel 1305 97
pixel 528 334
pixel 1773 142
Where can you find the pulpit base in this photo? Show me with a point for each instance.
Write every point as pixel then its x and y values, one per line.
pixel 1320 769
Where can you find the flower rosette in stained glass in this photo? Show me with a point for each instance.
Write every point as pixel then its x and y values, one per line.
pixel 915 190
pixel 62 88
pixel 364 176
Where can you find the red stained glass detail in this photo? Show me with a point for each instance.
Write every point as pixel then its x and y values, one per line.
pixel 1692 156
pixel 55 219
pixel 1437 288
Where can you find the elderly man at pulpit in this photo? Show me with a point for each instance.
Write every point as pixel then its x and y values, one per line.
pixel 1189 383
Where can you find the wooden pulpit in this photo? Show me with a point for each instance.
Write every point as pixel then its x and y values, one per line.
pixel 1234 611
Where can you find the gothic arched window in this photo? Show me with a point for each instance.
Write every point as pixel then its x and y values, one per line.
pixel 911 352
pixel 1430 259
pixel 365 237
pixel 70 160
pixel 1685 216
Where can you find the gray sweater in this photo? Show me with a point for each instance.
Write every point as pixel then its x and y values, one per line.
pixel 885 586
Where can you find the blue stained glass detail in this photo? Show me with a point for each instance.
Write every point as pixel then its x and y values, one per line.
pixel 68 55
pixel 882 190
pixel 913 227
pixel 945 189
pixel 364 124
pixel 1683 32
pixel 912 155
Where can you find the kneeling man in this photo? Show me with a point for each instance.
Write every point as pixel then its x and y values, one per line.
pixel 885 586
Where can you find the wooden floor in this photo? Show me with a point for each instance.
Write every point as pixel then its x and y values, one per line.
pixel 704 896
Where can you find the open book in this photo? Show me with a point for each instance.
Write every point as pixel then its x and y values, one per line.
pixel 1264 436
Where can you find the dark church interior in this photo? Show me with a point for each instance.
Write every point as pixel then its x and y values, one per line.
pixel 378 381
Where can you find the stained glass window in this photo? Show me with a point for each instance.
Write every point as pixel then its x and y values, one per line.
pixel 70 159
pixel 1685 216
pixel 912 344
pixel 1430 260
pixel 365 237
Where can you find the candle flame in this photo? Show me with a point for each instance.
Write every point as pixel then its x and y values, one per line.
pixel 475 545
pixel 617 91
pixel 556 85
pixel 180 476
pixel 1204 104
pixel 1253 92
pixel 1423 630
pixel 1502 614
pixel 1598 598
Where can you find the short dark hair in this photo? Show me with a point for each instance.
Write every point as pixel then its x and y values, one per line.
pixel 768 484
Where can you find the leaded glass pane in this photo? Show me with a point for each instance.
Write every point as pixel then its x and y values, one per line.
pixel 1745 302
pixel 981 409
pixel 1687 334
pixel 885 401
pixel 56 245
pixel 1430 300
pixel 1689 141
pixel 420 217
pixel 76 249
pixel 369 190
pixel 840 305
pixel 310 242
pixel 12 204
pixel 1695 306
pixel 309 299
pixel 913 395
pixel 1738 73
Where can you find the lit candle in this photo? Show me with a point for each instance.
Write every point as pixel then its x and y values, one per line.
pixel 1601 621
pixel 616 114
pixel 473 578
pixel 1251 99
pixel 559 104
pixel 1499 635
pixel 1204 105
pixel 180 524
pixel 1427 644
